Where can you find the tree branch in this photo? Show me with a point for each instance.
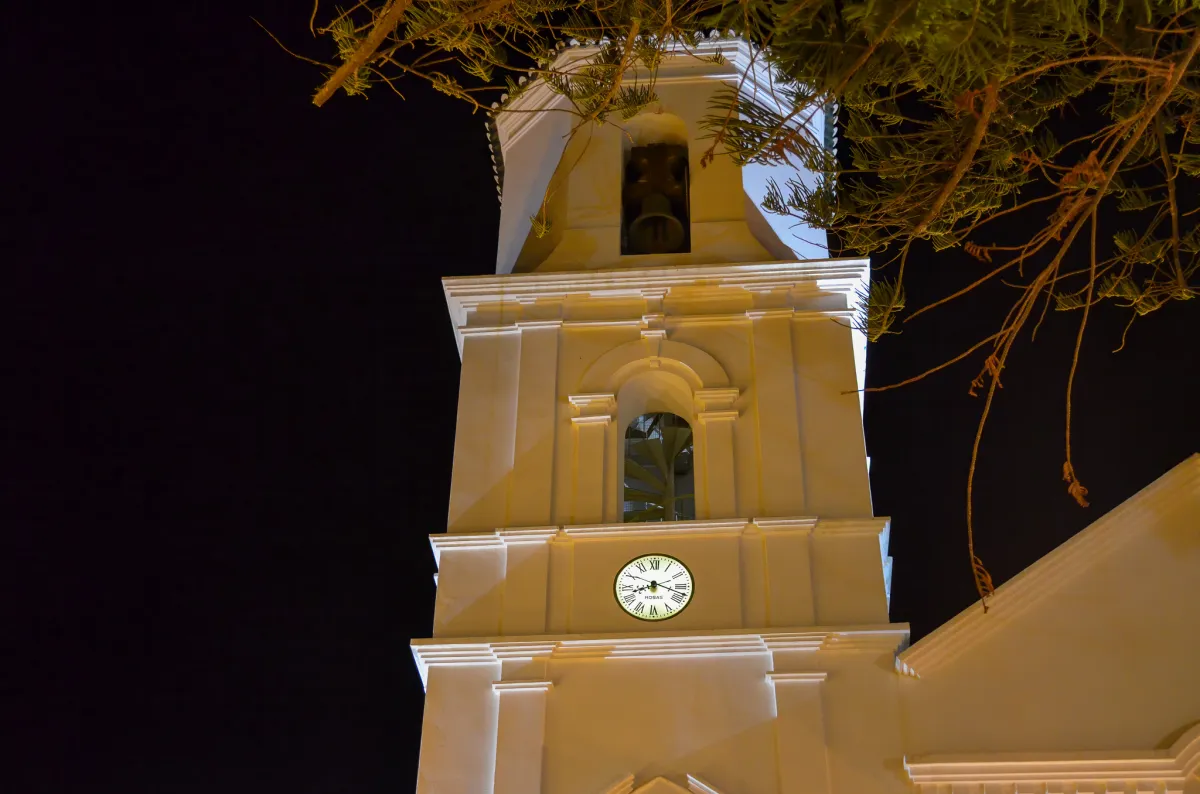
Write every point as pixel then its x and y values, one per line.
pixel 387 21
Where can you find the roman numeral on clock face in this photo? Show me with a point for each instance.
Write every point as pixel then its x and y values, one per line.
pixel 653 587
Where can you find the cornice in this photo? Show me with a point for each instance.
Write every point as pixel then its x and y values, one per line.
pixel 800 278
pixel 831 275
pixel 1112 771
pixel 522 686
pixel 797 678
pixel 457 652
pixel 656 529
pixel 498 538
pixel 1072 559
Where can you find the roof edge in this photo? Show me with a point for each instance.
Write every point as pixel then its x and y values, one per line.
pixel 1046 575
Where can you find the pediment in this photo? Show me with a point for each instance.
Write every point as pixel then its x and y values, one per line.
pixel 1112 610
pixel 1153 518
pixel 661 785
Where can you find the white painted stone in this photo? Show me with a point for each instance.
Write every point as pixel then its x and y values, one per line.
pixel 783 674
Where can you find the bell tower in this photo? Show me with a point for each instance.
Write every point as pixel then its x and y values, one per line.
pixel 658 371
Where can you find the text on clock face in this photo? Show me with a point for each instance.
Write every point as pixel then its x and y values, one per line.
pixel 654 587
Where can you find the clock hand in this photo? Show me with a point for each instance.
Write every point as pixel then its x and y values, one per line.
pixel 652 584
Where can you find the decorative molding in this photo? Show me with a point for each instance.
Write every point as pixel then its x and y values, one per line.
pixel 833 275
pixel 523 651
pixel 800 278
pixel 795 524
pixel 717 416
pixel 534 324
pixel 733 526
pixel 1072 559
pixel 660 784
pixel 602 419
pixel 488 330
pixel 593 408
pixel 624 323
pixel 1145 771
pixel 680 320
pixel 622 786
pixel 853 526
pixel 612 369
pixel 766 314
pixel 797 678
pixel 499 538
pixel 698 786
pixel 522 686
pixel 866 640
pixel 716 400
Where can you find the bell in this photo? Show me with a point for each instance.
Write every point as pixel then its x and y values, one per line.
pixel 656 230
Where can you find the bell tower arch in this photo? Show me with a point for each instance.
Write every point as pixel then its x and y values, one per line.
pixel 656 375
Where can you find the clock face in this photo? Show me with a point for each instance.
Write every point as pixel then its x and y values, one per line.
pixel 654 587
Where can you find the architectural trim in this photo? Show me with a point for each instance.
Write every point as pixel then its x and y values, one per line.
pixel 796 524
pixel 717 416
pixel 698 786
pixel 611 370
pixel 497 538
pixel 656 529
pixel 719 399
pixel 1101 771
pixel 797 678
pixel 869 641
pixel 622 786
pixel 522 686
pixel 808 276
pixel 1045 577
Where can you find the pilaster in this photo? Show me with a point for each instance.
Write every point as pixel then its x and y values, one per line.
pixel 520 735
pixel 591 428
pixel 801 741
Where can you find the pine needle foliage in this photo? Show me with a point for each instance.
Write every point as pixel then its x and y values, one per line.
pixel 952 113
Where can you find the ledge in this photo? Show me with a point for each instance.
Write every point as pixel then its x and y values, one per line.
pixel 868 641
pixel 498 538
pixel 1153 770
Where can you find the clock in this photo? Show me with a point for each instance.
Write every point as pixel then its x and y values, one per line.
pixel 654 587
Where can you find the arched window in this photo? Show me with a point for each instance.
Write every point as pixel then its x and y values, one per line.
pixel 659 471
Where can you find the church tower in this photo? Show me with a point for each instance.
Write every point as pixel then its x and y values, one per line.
pixel 661 571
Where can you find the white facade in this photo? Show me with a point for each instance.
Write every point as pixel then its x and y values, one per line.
pixel 782 675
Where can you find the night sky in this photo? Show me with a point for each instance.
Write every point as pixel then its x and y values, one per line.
pixel 230 395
